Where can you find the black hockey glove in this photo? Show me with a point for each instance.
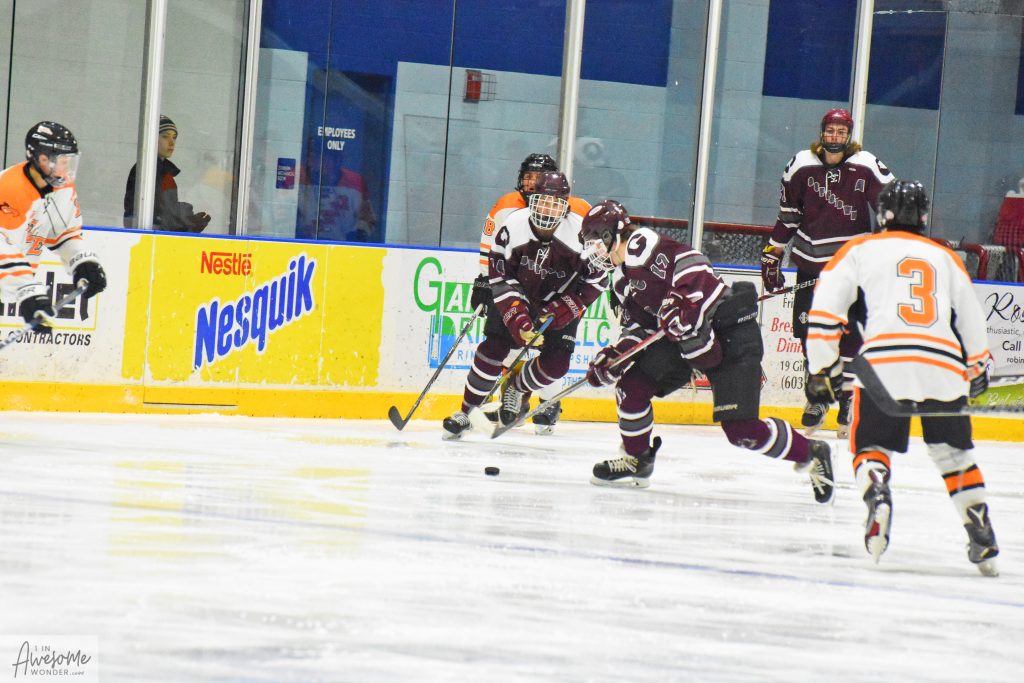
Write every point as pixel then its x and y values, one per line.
pixel 481 293
pixel 40 309
pixel 822 387
pixel 979 378
pixel 92 272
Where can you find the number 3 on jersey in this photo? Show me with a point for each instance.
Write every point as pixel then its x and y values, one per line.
pixel 923 312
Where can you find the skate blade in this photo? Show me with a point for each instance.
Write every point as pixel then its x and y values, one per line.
pixel 624 483
pixel 543 430
pixel 988 568
pixel 877 540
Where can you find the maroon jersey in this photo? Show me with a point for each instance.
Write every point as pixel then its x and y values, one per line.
pixel 656 265
pixel 822 207
pixel 523 267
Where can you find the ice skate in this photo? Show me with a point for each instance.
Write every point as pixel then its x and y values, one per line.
pixel 981 547
pixel 813 417
pixel 514 404
pixel 876 528
pixel 844 416
pixel 455 426
pixel 544 420
pixel 627 471
pixel 819 468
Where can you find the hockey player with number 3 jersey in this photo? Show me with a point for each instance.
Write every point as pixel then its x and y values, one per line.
pixel 709 326
pixel 925 336
pixel 39 208
pixel 536 272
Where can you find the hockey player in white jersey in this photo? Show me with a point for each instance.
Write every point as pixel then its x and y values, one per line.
pixel 39 208
pixel 925 336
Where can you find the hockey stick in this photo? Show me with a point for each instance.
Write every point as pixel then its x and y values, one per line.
pixel 787 290
pixel 640 346
pixel 904 408
pixel 18 335
pixel 393 414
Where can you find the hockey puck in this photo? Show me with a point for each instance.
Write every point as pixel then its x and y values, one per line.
pixel 491 471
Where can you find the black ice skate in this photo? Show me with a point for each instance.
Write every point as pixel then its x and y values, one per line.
pixel 982 548
pixel 455 426
pixel 844 416
pixel 627 471
pixel 819 468
pixel 514 404
pixel 813 417
pixel 544 420
pixel 879 502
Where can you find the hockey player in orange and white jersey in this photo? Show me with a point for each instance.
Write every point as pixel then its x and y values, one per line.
pixel 39 208
pixel 925 336
pixel 533 166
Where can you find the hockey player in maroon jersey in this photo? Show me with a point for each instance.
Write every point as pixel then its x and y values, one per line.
pixel 536 271
pixel 709 326
pixel 530 170
pixel 827 197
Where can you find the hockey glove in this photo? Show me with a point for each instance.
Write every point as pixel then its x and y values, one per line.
pixel 564 309
pixel 92 272
pixel 197 222
pixel 771 269
pixel 822 387
pixel 481 293
pixel 40 309
pixel 600 373
pixel 978 374
pixel 517 320
pixel 671 316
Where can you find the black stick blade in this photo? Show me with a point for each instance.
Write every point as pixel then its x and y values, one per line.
pixel 396 418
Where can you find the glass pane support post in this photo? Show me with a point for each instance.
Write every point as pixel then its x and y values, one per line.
pixel 149 113
pixel 861 62
pixel 249 82
pixel 572 59
pixel 707 119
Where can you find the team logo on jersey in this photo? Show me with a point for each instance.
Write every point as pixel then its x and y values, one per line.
pixel 833 175
pixel 223 328
pixel 9 210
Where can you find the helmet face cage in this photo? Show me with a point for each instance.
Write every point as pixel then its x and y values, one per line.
pixel 529 170
pixel 903 204
pixel 840 117
pixel 601 232
pixel 60 148
pixel 547 211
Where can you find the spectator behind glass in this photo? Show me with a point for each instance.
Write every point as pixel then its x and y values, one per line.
pixel 168 212
pixel 334 201
pixel 1010 221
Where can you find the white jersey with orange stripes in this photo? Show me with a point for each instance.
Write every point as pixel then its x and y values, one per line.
pixel 31 219
pixel 924 325
pixel 508 203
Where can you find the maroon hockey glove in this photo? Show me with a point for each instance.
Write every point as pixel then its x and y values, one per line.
pixel 599 373
pixel 517 320
pixel 672 316
pixel 564 309
pixel 771 269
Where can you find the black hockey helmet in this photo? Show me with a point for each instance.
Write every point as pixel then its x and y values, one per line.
pixel 602 230
pixel 549 203
pixel 840 117
pixel 532 165
pixel 58 145
pixel 903 205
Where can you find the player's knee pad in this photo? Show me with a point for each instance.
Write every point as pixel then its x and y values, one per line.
pixel 948 458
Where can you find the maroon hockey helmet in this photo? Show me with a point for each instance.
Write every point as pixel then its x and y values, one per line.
pixel 549 203
pixel 840 117
pixel 532 166
pixel 602 230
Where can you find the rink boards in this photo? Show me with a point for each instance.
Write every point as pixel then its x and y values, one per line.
pixel 259 327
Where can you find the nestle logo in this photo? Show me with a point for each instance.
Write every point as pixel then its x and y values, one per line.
pixel 225 263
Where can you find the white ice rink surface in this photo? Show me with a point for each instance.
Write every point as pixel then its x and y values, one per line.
pixel 217 548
